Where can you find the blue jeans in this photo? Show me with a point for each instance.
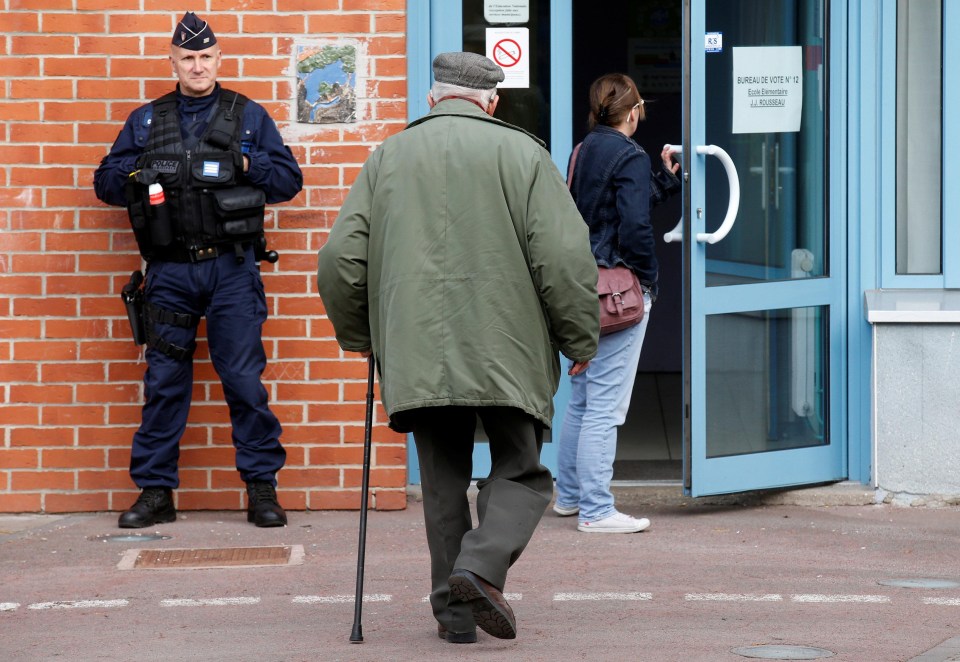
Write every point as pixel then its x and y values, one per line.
pixel 599 399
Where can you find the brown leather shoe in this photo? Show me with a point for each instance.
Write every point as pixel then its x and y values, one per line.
pixel 491 612
pixel 456 637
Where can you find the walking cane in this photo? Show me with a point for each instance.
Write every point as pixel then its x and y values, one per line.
pixel 356 636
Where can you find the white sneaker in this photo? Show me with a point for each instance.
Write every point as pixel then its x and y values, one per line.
pixel 616 523
pixel 563 511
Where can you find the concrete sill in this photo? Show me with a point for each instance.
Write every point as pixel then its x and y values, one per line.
pixel 932 306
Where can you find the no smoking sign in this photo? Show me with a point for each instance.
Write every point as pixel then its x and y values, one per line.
pixel 507 53
pixel 508 47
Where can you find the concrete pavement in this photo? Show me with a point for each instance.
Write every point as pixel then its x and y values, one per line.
pixel 710 581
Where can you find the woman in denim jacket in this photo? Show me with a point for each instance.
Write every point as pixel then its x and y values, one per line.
pixel 614 188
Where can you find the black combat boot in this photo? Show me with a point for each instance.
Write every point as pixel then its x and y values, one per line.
pixel 153 506
pixel 262 506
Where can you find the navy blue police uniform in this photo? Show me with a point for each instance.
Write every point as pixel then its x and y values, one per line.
pixel 202 257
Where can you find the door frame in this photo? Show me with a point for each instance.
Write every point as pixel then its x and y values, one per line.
pixel 428 34
pixel 703 475
pixel 849 405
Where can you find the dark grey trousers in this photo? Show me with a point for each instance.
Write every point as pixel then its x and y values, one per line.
pixel 510 501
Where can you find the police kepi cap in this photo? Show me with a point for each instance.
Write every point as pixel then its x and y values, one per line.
pixel 467 70
pixel 193 33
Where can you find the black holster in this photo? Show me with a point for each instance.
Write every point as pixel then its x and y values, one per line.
pixel 132 297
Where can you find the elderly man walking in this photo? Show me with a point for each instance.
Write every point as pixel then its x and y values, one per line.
pixel 460 261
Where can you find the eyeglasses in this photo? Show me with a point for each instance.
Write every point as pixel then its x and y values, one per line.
pixel 637 105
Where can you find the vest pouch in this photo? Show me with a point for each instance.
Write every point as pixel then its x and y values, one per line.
pixel 161 227
pixel 164 170
pixel 139 214
pixel 239 210
pixel 216 169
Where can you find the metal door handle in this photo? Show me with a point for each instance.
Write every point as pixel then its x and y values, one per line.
pixel 734 205
pixel 676 234
pixel 762 171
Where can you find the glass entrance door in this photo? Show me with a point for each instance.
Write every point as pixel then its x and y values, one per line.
pixel 762 355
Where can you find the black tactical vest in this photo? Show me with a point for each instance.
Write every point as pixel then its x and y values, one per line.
pixel 206 202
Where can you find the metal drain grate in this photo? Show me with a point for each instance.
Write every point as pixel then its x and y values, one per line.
pixel 224 557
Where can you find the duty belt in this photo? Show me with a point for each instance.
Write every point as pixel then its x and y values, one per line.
pixel 180 253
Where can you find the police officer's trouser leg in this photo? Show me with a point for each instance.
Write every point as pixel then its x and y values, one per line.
pixel 235 317
pixel 168 381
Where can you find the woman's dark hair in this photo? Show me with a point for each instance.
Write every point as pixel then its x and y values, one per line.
pixel 611 98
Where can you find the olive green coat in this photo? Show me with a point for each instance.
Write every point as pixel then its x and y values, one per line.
pixel 461 260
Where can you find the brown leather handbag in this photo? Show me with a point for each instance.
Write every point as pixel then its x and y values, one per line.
pixel 621 296
pixel 621 299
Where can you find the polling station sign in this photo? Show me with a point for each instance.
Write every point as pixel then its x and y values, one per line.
pixel 767 89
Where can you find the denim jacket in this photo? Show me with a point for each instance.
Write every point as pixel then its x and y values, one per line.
pixel 613 189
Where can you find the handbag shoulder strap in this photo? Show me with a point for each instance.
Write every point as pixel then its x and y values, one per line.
pixel 573 163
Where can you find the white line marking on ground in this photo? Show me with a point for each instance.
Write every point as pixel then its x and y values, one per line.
pixel 79 604
pixel 208 602
pixel 951 602
pixel 840 598
pixel 732 597
pixel 558 597
pixel 337 599
pixel 572 597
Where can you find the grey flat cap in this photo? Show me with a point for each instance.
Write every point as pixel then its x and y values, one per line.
pixel 467 70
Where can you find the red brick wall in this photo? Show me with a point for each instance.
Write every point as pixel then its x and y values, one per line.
pixel 70 377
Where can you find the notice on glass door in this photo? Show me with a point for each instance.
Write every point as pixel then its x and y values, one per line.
pixel 767 89
pixel 506 11
pixel 510 48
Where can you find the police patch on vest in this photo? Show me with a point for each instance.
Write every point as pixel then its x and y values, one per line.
pixel 211 169
pixel 165 166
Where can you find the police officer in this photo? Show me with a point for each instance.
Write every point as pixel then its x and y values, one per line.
pixel 194 169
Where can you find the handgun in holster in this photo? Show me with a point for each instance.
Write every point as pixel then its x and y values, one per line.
pixel 132 296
